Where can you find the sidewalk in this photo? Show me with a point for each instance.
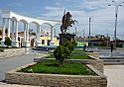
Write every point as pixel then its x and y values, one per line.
pixel 115 75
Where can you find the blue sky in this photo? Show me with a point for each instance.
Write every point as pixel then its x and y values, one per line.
pixel 102 16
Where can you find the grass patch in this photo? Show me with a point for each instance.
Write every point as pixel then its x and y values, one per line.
pixel 53 68
pixel 76 54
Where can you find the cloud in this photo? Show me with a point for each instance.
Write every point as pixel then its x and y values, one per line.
pixel 17 4
pixel 53 12
pixel 57 4
pixel 103 17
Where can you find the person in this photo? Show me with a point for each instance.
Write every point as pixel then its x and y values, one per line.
pixel 84 47
pixel 111 47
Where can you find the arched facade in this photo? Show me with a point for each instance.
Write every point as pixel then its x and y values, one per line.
pixel 14 19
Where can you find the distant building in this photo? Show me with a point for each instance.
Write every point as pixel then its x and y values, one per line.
pixel 119 43
pixel 100 40
pixel 97 40
pixel 45 40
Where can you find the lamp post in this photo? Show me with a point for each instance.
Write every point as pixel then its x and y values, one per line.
pixel 116 16
pixel 89 30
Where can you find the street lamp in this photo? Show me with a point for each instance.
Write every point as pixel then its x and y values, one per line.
pixel 89 30
pixel 116 16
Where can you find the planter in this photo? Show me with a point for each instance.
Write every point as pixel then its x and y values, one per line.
pixel 56 80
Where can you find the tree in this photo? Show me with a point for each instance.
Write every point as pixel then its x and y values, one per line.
pixel 7 41
pixel 62 52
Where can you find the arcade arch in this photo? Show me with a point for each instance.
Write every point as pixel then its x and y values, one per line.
pixel 15 19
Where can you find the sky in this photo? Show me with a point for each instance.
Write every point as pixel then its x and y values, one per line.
pixel 102 15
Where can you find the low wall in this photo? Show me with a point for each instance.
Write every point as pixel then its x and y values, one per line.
pixel 97 63
pixel 11 52
pixel 56 80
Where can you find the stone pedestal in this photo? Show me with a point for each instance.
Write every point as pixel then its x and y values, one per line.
pixel 65 37
pixel 2 43
pixel 26 44
pixel 15 44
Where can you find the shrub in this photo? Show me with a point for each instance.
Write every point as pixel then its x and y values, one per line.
pixel 70 45
pixel 7 41
pixel 64 51
pixel 60 53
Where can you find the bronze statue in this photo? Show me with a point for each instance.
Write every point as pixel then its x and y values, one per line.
pixel 66 22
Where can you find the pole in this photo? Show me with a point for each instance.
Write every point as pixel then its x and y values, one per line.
pixel 116 17
pixel 89 29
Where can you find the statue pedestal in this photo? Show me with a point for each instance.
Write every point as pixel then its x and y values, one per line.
pixel 65 37
pixel 2 43
pixel 15 44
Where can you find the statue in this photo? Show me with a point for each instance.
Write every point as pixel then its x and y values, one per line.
pixel 67 21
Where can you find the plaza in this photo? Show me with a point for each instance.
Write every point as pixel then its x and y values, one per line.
pixel 114 73
pixel 40 40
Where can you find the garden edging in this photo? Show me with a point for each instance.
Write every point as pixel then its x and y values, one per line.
pixel 55 79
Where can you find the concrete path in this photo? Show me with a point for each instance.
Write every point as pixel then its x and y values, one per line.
pixel 115 75
pixel 15 62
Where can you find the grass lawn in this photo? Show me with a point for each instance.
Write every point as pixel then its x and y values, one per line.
pixel 53 68
pixel 76 54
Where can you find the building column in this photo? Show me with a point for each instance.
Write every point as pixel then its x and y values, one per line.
pixel 24 33
pixel 8 34
pixel 3 33
pixel 27 33
pixel 13 38
pixel 38 34
pixel 26 42
pixel 52 36
pixel 17 27
pixel 15 42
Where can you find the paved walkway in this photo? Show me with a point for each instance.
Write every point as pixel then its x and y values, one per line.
pixel 106 52
pixel 14 62
pixel 115 75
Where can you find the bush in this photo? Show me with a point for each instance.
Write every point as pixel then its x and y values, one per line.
pixel 7 41
pixel 64 51
pixel 60 53
pixel 70 45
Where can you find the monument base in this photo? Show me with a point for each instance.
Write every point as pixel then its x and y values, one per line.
pixel 65 37
pixel 2 43
pixel 15 44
